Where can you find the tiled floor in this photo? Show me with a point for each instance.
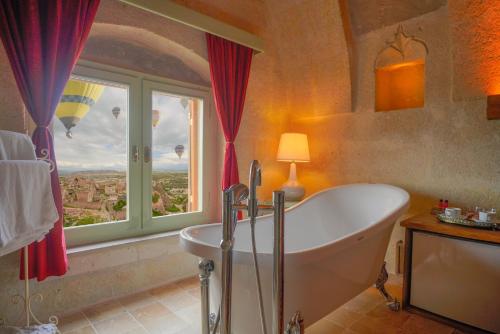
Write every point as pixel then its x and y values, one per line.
pixel 175 309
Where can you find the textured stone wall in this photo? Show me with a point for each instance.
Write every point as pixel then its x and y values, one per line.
pixel 475 28
pixel 12 107
pixel 302 83
pixel 447 149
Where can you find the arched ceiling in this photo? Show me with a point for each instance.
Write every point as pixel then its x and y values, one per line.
pixel 369 15
pixel 150 41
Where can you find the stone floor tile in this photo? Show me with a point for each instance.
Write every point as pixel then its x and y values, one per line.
pixel 137 300
pixel 82 330
pixel 72 321
pixel 417 324
pixel 363 303
pixel 324 326
pixel 369 325
pixel 382 312
pixel 191 314
pixel 195 292
pixel 344 317
pixel 104 311
pixel 157 319
pixel 179 300
pixel 122 323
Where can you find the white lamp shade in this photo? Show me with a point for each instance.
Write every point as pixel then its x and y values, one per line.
pixel 293 147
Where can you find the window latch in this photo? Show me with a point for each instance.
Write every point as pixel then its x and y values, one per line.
pixel 147 154
pixel 135 153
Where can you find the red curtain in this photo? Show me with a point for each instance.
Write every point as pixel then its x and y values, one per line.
pixel 229 72
pixel 43 39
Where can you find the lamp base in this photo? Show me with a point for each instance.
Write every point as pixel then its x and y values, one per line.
pixel 294 191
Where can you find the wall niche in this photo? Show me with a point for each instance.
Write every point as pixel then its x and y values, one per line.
pixel 400 73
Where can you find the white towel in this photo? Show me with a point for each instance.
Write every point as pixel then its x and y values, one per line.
pixel 16 146
pixel 27 208
pixel 36 329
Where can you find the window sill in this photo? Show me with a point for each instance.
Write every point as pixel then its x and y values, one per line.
pixel 100 246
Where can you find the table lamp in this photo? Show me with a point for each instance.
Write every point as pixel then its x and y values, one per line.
pixel 293 148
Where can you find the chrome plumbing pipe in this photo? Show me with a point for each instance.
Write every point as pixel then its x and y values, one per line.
pixel 206 267
pixel 232 202
pixel 278 262
pixel 231 197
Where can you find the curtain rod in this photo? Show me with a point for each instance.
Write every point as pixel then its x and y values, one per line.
pixel 181 14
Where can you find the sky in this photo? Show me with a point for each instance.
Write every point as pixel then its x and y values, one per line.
pixel 100 141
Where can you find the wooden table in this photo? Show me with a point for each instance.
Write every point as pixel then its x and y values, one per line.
pixel 429 226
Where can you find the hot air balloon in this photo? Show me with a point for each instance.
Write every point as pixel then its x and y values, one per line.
pixel 78 97
pixel 116 112
pixel 184 102
pixel 156 118
pixel 179 149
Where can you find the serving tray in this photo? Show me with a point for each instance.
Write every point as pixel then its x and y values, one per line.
pixel 470 223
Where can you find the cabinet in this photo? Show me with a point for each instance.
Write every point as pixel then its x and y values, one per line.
pixel 452 274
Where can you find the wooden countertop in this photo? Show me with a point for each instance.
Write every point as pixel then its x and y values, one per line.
pixel 430 223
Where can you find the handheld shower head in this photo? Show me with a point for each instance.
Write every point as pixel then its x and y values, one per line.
pixel 255 181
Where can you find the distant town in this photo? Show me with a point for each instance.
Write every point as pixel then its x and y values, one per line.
pixel 92 197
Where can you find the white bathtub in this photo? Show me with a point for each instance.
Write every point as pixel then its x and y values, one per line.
pixel 335 244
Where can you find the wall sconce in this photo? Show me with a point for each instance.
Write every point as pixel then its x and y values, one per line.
pixel 493 110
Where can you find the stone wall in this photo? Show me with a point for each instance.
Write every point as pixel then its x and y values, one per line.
pixel 447 149
pixel 303 83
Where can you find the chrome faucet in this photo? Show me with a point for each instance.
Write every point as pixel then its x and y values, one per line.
pixel 233 198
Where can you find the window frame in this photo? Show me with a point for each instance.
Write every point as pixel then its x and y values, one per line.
pixel 140 222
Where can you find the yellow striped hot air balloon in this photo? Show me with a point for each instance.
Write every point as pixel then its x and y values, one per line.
pixel 155 117
pixel 78 97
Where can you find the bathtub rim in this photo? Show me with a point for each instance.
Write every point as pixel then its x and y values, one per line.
pixel 204 249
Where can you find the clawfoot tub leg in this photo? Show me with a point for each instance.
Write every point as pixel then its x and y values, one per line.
pixel 392 303
pixel 206 267
pixel 295 325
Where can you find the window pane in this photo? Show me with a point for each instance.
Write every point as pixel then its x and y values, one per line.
pixel 91 148
pixel 174 181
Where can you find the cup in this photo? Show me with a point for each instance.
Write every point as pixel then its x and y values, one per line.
pixel 486 216
pixel 452 212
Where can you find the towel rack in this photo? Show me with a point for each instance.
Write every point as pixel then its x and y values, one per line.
pixel 27 298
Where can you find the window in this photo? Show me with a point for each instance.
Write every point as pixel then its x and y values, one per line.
pixel 130 153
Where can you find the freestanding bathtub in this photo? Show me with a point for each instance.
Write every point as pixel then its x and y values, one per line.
pixel 335 244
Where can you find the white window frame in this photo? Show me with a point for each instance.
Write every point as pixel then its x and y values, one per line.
pixel 140 221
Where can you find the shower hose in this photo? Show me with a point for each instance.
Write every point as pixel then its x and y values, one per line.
pixel 257 279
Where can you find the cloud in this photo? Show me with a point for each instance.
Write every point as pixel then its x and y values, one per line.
pixel 100 141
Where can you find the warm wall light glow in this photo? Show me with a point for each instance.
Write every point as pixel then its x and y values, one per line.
pixel 293 147
pixel 400 86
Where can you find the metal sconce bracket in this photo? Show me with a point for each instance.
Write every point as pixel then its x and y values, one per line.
pixel 493 109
